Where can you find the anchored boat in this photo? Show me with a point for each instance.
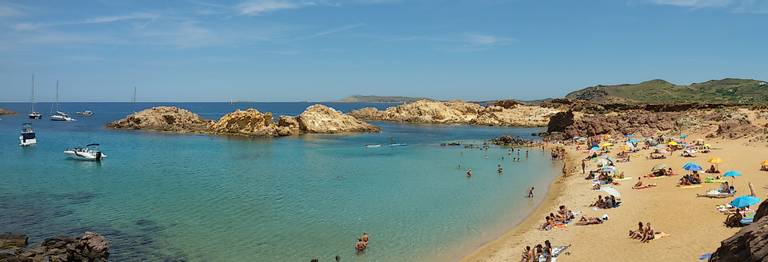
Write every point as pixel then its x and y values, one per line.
pixel 90 152
pixel 27 137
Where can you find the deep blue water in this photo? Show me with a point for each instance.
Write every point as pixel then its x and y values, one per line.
pixel 215 198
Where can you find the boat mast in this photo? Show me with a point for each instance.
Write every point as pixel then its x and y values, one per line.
pixel 32 100
pixel 56 104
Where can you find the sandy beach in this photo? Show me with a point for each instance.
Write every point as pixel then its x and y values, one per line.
pixel 694 224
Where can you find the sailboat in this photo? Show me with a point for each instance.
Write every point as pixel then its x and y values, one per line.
pixel 59 116
pixel 34 114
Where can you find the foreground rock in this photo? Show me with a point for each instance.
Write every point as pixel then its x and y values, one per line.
pixel 459 112
pixel 163 118
pixel 316 119
pixel 8 240
pixel 511 141
pixel 325 120
pixel 749 244
pixel 4 111
pixel 88 247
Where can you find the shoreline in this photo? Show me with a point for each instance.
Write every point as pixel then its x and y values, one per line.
pixel 554 191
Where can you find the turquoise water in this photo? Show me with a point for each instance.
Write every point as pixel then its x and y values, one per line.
pixel 214 198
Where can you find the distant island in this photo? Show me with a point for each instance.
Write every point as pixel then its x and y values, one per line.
pixel 657 91
pixel 380 99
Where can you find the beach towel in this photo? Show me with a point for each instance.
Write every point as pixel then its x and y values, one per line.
pixel 711 181
pixel 691 186
pixel 623 179
pixel 611 191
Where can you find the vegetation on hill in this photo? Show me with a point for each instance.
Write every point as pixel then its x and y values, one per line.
pixel 725 91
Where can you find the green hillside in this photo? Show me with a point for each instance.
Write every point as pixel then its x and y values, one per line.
pixel 725 91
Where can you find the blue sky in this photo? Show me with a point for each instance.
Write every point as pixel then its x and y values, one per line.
pixel 319 50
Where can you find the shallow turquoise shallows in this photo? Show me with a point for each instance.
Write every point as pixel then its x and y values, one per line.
pixel 214 198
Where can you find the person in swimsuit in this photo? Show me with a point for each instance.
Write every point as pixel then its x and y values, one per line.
pixel 469 173
pixel 499 169
pixel 365 237
pixel 530 193
pixel 360 245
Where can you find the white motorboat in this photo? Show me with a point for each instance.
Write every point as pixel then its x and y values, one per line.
pixel 27 137
pixel 85 113
pixel 59 116
pixel 90 152
pixel 373 146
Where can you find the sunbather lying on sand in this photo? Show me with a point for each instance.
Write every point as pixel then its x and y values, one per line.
pixel 640 185
pixel 583 221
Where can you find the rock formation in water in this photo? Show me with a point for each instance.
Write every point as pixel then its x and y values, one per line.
pixel 250 122
pixel 88 247
pixel 4 111
pixel 749 244
pixel 325 120
pixel 163 118
pixel 459 112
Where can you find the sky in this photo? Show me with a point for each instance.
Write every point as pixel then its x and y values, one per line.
pixel 323 50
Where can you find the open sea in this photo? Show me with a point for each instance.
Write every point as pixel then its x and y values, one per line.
pixel 177 197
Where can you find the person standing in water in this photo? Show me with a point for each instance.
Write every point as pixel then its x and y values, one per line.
pixel 530 193
pixel 526 154
pixel 499 169
pixel 469 172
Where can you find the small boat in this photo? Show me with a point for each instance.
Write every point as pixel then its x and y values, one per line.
pixel 59 116
pixel 85 113
pixel 27 137
pixel 397 145
pixel 372 146
pixel 33 114
pixel 90 152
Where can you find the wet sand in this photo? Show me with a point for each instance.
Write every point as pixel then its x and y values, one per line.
pixel 694 225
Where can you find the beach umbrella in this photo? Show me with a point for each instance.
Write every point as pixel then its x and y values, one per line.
pixel 688 164
pixel 715 160
pixel 606 144
pixel 611 191
pixel 745 201
pixel 672 143
pixel 595 149
pixel 608 169
pixel 658 167
pixel 634 141
pixel 765 163
pixel 732 173
pixel 693 167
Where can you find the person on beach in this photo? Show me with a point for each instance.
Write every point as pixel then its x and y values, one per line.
pixel 530 192
pixel 648 234
pixel 527 254
pixel 599 203
pixel 469 172
pixel 637 234
pixel 538 251
pixel 547 250
pixel 583 167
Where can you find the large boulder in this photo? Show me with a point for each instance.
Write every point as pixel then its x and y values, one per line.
pixel 560 121
pixel 163 118
pixel 749 244
pixel 322 119
pixel 9 240
pixel 249 122
pixel 734 128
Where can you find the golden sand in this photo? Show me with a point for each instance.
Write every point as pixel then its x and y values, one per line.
pixel 694 224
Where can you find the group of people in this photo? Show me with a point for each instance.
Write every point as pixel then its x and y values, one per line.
pixel 538 252
pixel 362 243
pixel 690 179
pixel 605 203
pixel 644 233
pixel 561 217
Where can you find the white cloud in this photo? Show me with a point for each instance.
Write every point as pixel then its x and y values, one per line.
pixel 332 31
pixel 260 7
pixel 487 40
pixel 95 20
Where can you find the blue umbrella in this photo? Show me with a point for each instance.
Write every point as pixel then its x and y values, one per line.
pixel 683 136
pixel 745 201
pixel 690 166
pixel 595 148
pixel 633 141
pixel 732 173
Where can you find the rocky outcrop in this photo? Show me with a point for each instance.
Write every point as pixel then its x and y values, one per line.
pixel 459 112
pixel 163 118
pixel 735 128
pixel 749 244
pixel 249 122
pixel 8 240
pixel 633 122
pixel 4 111
pixel 325 120
pixel 88 247
pixel 560 121
pixel 511 141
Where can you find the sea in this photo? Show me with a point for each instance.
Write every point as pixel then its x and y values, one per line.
pixel 190 197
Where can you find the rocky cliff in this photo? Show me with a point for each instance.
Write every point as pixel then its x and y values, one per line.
pixel 163 118
pixel 459 112
pixel 315 119
pixel 88 247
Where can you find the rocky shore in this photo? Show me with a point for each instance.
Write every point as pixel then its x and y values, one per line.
pixel 316 119
pixel 87 247
pixel 4 111
pixel 460 112
pixel 749 244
